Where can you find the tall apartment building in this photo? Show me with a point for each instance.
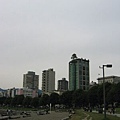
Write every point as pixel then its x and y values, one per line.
pixel 30 80
pixel 78 73
pixel 48 81
pixel 62 84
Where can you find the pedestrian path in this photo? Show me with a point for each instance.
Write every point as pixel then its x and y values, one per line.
pixel 115 114
pixel 90 118
pixel 87 117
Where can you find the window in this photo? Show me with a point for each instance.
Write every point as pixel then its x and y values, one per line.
pixel 83 82
pixel 83 77
pixel 83 67
pixel 83 72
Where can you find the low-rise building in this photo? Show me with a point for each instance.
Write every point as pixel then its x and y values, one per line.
pixel 109 79
pixel 3 93
pixel 60 92
pixel 11 92
pixel 22 91
pixel 27 92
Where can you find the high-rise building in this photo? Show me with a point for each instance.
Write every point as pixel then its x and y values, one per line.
pixel 48 81
pixel 62 84
pixel 78 73
pixel 30 80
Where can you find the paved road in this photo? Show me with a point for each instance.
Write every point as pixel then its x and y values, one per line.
pixel 51 116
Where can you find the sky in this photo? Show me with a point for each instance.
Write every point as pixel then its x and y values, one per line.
pixel 36 35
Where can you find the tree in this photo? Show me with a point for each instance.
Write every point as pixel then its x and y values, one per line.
pixel 2 99
pixel 66 98
pixel 85 99
pixel 100 94
pixel 108 87
pixel 35 102
pixel 20 99
pixel 17 100
pixel 13 102
pixel 117 93
pixel 44 100
pixel 78 98
pixel 26 102
pixel 8 101
pixel 93 96
pixel 54 99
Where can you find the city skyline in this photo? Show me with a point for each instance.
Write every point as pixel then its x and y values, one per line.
pixel 37 35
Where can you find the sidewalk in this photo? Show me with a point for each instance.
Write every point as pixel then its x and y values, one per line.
pixel 118 115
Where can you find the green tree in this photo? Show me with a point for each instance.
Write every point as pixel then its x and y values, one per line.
pixel 2 99
pixel 66 98
pixel 78 98
pixel 110 95
pixel 35 102
pixel 93 96
pixel 44 100
pixel 108 87
pixel 17 100
pixel 20 99
pixel 27 101
pixel 100 94
pixel 117 93
pixel 85 99
pixel 13 102
pixel 54 99
pixel 8 101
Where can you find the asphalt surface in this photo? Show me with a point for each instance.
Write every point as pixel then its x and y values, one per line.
pixel 52 116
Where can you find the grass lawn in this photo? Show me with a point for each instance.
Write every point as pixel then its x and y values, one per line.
pixel 118 110
pixel 80 114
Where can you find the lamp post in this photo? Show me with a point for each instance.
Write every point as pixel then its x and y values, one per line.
pixel 104 100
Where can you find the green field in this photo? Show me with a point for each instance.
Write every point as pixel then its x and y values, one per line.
pixel 118 110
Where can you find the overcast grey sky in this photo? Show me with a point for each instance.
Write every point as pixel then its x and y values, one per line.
pixel 40 34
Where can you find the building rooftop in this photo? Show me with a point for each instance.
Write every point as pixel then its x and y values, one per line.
pixel 108 77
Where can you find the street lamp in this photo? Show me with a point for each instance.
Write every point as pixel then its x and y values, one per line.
pixel 108 66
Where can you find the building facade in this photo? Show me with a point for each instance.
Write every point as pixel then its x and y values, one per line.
pixel 27 92
pixel 30 80
pixel 3 93
pixel 78 73
pixel 48 81
pixel 109 79
pixel 62 85
pixel 11 92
